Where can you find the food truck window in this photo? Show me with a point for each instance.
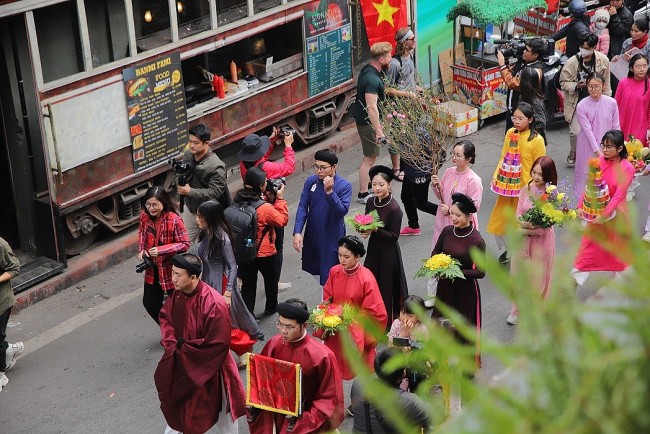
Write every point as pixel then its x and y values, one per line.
pixel 231 10
pixel 193 17
pixel 107 30
pixel 59 43
pixel 151 20
pixel 281 42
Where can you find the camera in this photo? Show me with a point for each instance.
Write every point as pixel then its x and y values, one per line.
pixel 184 171
pixel 273 185
pixel 516 46
pixel 284 131
pixel 146 263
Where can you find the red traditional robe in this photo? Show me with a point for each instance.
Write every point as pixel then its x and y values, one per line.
pixel 189 378
pixel 322 388
pixel 358 288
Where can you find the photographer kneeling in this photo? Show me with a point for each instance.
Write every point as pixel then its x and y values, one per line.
pixel 269 217
pixel 161 235
pixel 531 57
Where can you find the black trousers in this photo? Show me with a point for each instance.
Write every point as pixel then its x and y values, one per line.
pixel 415 196
pixel 248 275
pixel 152 298
pixel 4 320
pixel 279 246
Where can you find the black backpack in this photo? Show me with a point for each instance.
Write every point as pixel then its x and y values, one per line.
pixel 242 218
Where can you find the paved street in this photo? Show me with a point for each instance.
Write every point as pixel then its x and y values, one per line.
pixel 91 350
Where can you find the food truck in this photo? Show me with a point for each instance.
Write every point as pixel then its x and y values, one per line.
pixel 97 97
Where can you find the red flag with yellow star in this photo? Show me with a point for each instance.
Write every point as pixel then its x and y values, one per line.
pixel 383 18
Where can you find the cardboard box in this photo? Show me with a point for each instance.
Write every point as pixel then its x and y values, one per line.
pixel 465 117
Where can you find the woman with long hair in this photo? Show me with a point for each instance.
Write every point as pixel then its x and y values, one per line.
pixel 220 269
pixel 538 244
pixel 530 90
pixel 605 244
pixel 531 147
pixel 633 98
pixel 161 235
pixel 596 114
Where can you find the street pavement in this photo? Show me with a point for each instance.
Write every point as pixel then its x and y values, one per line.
pixel 91 350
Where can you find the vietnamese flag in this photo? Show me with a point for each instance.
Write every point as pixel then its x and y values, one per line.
pixel 383 18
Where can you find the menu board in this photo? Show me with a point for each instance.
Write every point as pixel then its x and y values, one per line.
pixel 155 97
pixel 328 44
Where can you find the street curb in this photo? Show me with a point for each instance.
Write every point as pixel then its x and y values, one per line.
pixel 125 246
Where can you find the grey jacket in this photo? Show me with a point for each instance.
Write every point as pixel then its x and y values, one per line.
pixel 569 80
pixel 8 264
pixel 207 182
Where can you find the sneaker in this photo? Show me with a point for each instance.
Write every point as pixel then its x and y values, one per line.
pixel 512 319
pixel 13 351
pixel 646 237
pixel 503 259
pixel 409 231
pixel 3 380
pixel 363 197
pixel 429 303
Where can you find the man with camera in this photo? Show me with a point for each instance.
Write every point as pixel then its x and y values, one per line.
pixel 255 151
pixel 573 82
pixel 532 57
pixel 206 181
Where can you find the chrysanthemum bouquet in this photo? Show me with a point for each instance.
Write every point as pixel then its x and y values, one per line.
pixel 365 222
pixel 331 317
pixel 551 208
pixel 440 266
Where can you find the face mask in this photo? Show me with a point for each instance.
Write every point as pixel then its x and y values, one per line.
pixel 584 52
pixel 600 25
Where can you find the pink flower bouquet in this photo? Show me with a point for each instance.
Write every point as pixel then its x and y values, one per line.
pixel 365 222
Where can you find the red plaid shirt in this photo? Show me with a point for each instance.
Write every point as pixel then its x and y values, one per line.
pixel 171 240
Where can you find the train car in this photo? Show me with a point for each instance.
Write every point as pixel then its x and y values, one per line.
pixel 97 96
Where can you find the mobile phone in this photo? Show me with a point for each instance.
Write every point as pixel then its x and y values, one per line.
pixel 401 342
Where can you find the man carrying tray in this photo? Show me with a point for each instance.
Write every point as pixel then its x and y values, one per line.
pixel 322 387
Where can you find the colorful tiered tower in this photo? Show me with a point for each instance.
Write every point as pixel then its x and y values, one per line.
pixel 508 180
pixel 596 192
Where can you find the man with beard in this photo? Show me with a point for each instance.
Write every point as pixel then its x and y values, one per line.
pixel 370 90
pixel 322 387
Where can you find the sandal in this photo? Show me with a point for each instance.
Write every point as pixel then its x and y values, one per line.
pixel 571 159
pixel 398 174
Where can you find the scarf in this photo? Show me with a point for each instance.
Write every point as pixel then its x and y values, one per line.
pixel 640 43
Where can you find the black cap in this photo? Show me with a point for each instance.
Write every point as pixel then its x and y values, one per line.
pixel 253 148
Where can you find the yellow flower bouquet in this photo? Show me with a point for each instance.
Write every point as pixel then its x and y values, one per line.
pixel 550 209
pixel 440 266
pixel 331 317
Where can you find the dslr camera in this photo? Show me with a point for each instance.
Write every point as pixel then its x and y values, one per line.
pixel 515 47
pixel 146 263
pixel 285 130
pixel 184 172
pixel 273 185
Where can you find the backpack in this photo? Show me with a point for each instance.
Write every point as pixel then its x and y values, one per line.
pixel 242 218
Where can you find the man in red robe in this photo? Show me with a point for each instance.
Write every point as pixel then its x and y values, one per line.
pixel 322 387
pixel 197 378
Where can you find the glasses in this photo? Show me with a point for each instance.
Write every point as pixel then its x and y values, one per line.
pixel 318 168
pixel 641 66
pixel 288 328
pixel 458 155
pixel 516 119
pixel 153 205
pixel 528 50
pixel 606 146
pixel 594 86
pixel 411 39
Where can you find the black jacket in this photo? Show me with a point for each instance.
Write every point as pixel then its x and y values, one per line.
pixel 577 29
pixel 619 30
